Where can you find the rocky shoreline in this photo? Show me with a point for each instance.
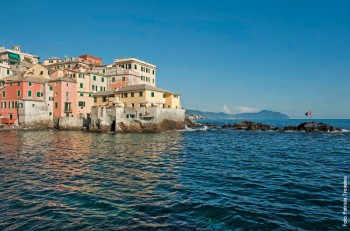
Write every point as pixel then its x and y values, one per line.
pixel 169 125
pixel 311 126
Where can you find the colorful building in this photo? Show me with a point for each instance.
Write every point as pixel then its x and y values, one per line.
pixel 52 60
pixel 37 71
pixel 25 101
pixel 141 95
pixel 15 56
pixel 5 69
pixel 64 97
pixel 91 59
pixel 144 70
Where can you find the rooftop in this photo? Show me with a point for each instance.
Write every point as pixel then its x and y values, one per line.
pixel 134 60
pixel 139 87
pixel 63 79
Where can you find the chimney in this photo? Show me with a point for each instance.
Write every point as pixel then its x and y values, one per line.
pixel 16 48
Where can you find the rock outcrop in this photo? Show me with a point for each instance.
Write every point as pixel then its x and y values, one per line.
pixel 250 126
pixel 303 127
pixel 138 127
pixel 316 127
pixel 191 123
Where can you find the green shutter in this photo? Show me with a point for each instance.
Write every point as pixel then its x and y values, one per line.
pixel 81 85
pixel 29 93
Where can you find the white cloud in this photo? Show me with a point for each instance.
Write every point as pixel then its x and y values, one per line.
pixel 245 109
pixel 226 109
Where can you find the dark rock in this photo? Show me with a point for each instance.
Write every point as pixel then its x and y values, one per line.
pixel 316 127
pixel 290 128
pixel 249 126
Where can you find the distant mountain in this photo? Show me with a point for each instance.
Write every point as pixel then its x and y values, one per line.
pixel 263 115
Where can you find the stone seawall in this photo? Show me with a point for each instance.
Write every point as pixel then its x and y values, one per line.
pixel 69 123
pixel 133 120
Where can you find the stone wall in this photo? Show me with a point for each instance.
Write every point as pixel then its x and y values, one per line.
pixel 35 114
pixel 70 123
pixel 152 119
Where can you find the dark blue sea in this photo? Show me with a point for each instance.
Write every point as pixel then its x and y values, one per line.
pixel 208 179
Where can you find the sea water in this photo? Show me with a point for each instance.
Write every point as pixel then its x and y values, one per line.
pixel 204 179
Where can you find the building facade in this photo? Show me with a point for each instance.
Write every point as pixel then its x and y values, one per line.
pixel 64 97
pixel 25 101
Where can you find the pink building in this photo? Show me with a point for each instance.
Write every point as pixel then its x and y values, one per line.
pixel 16 92
pixel 64 97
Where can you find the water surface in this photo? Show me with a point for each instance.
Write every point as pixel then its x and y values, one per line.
pixel 198 180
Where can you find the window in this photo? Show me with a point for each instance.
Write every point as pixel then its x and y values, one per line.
pixel 94 77
pixel 152 94
pixel 164 95
pixel 81 104
pixel 104 99
pixel 19 84
pixel 113 79
pixel 152 80
pixel 90 95
pixel 8 72
pixel 10 116
pixel 125 95
pixel 18 93
pixel 132 94
pixel 123 79
pixel 29 93
pixel 50 113
pixel 153 72
pixel 67 84
pixel 93 87
pixel 41 72
pixel 101 88
pixel 140 94
pixel 103 80
pixel 38 94
pixel 3 93
pixel 103 71
pixel 81 85
pixel 95 100
pixel 81 94
pixel 50 88
pixel 135 66
pixel 29 84
pixel 132 105
pixel 56 105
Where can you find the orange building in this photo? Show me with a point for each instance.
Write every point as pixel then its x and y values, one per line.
pixel 91 59
pixel 64 97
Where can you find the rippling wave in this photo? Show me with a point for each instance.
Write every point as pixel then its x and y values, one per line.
pixel 199 180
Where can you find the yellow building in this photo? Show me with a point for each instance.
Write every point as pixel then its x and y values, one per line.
pixel 141 95
pixel 37 71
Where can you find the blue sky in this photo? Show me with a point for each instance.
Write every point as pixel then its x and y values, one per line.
pixel 236 56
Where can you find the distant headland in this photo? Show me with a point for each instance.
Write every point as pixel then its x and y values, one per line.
pixel 263 115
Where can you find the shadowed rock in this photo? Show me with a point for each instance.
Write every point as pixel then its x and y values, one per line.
pixel 303 127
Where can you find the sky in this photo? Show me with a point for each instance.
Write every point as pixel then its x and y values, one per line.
pixel 232 56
